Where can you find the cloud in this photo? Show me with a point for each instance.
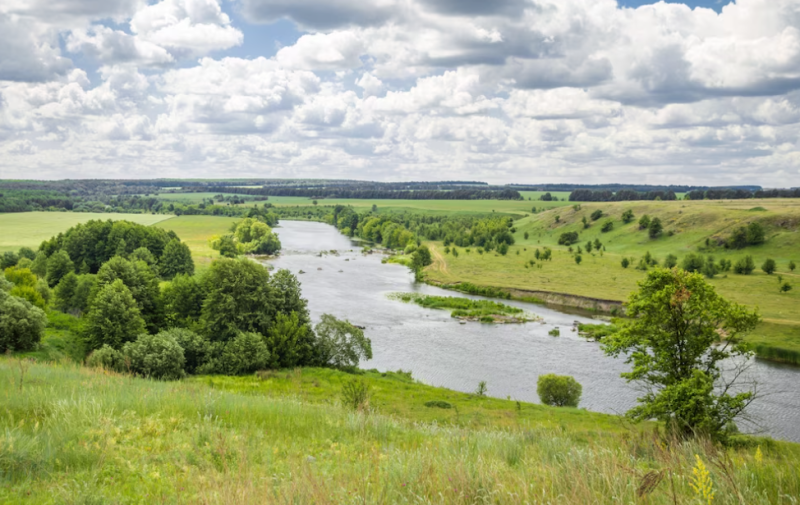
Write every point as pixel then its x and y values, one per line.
pixel 29 51
pixel 334 51
pixel 315 14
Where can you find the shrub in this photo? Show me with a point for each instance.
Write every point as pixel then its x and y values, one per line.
pixel 596 215
pixel 693 262
pixel 655 228
pixel 644 222
pixel 578 259
pixel 177 259
pixel 340 344
pixel 745 266
pixel 792 266
pixel 627 216
pixel 555 332
pixel 106 357
pixel 196 349
pixel 113 317
pixel 155 356
pixel 482 389
pixel 21 323
pixel 559 390
pixel 724 265
pixel 710 268
pixel 625 262
pixel 607 226
pixel 8 259
pixel 568 238
pixel 670 261
pixel 439 404
pixel 355 395
pixel 769 266
pixel 246 353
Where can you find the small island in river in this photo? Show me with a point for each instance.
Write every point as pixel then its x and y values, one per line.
pixel 465 309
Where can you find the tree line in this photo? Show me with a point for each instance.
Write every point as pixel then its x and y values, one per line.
pixel 355 192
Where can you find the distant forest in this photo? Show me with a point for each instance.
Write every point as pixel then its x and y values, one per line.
pixel 94 195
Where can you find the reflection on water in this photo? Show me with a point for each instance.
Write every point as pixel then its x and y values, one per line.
pixel 441 352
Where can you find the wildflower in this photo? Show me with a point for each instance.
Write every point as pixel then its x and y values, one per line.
pixel 759 455
pixel 701 482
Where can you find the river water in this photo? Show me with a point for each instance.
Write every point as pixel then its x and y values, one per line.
pixel 442 352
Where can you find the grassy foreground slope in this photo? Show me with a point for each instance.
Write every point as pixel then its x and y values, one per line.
pixel 74 435
pixel 601 276
pixel 29 229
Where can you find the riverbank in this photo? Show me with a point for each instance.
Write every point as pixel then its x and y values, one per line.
pixel 285 437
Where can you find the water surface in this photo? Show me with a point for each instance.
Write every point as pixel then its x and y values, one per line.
pixel 441 352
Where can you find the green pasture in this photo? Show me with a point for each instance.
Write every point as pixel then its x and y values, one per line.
pixel 195 232
pixel 29 229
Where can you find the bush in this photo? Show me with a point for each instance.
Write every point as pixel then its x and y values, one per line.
pixel 555 332
pixel 655 228
pixel 559 390
pixel 21 324
pixel 670 261
pixel 568 238
pixel 106 357
pixel 693 262
pixel 155 356
pixel 340 344
pixel 578 259
pixel 8 259
pixel 625 262
pixel 769 266
pixel 355 395
pixel 176 260
pixel 644 222
pixel 196 349
pixel 439 404
pixel 607 226
pixel 745 266
pixel 113 318
pixel 596 215
pixel 245 354
pixel 627 216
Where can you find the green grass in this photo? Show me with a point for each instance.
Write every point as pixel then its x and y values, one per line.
pixel 76 436
pixel 601 276
pixel 195 232
pixel 29 229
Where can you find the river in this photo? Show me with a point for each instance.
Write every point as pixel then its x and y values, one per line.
pixel 441 352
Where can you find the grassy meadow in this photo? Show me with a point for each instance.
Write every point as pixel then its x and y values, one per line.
pixel 77 436
pixel 195 232
pixel 31 228
pixel 600 275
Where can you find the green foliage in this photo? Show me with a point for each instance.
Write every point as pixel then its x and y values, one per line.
pixel 196 349
pixel 183 301
pixel 502 249
pixel 8 259
pixel 644 222
pixel 753 234
pixel 143 254
pixel 745 266
pixel 607 226
pixel 340 344
pixel 439 404
pixel 39 266
pixel 287 341
pixel 710 268
pixel 107 357
pixel 176 260
pixel 464 307
pixel 355 395
pixel 673 342
pixel 671 261
pixel 769 266
pixel 58 265
pixel 693 262
pixel 142 283
pixel 559 390
pixel 113 317
pixel 21 323
pixel 568 238
pixel 555 332
pixel 597 214
pixel 482 389
pixel 244 354
pixel 785 287
pixel 792 266
pixel 421 257
pixel 239 298
pixel 725 265
pixel 627 216
pixel 65 292
pixel 578 259
pixel 655 228
pixel 155 356
pixel 29 294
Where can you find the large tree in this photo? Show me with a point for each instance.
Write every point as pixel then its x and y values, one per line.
pixel 141 281
pixel 114 317
pixel 177 259
pixel 239 298
pixel 21 323
pixel 680 332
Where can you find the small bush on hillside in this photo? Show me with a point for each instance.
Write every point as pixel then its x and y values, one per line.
pixel 439 404
pixel 792 266
pixel 596 215
pixel 627 216
pixel 355 395
pixel 106 357
pixel 625 262
pixel 607 226
pixel 671 261
pixel 155 356
pixel 745 266
pixel 196 349
pixel 644 222
pixel 725 265
pixel 710 268
pixel 245 354
pixel 786 287
pixel 559 390
pixel 21 323
pixel 769 266
pixel 578 259
pixel 568 238
pixel 693 262
pixel 655 229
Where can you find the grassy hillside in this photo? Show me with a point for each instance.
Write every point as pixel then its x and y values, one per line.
pixel 31 228
pixel 600 275
pixel 195 232
pixel 72 435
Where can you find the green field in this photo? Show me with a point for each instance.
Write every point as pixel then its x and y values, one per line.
pixel 31 228
pixel 73 435
pixel 195 232
pixel 189 198
pixel 519 207
pixel 601 275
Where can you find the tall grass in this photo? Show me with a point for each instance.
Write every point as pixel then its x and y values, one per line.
pixel 73 435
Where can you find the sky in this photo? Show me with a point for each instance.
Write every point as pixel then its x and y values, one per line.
pixel 504 91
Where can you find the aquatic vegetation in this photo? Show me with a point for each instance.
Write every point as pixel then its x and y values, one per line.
pixel 485 311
